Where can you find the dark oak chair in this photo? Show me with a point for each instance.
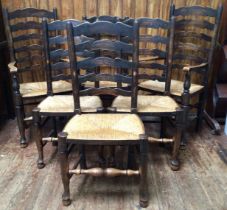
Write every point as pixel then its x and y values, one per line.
pixel 23 29
pixel 124 129
pixel 162 105
pixel 195 41
pixel 57 68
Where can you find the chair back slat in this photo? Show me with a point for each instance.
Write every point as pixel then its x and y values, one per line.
pixel 103 27
pixel 33 47
pixel 25 26
pixel 32 12
pixel 102 77
pixel 203 24
pixel 154 39
pixel 104 61
pixel 192 34
pixel 105 91
pixel 153 23
pixel 60 66
pixel 112 19
pixel 26 37
pixel 195 10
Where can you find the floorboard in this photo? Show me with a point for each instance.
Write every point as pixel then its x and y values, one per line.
pixel 201 183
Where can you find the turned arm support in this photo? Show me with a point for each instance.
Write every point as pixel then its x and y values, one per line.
pixel 14 75
pixel 12 67
pixel 187 79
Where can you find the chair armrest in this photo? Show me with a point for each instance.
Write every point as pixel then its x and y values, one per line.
pixel 12 67
pixel 195 68
pixel 151 58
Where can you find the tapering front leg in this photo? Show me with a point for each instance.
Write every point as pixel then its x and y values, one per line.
pixel 54 122
pixel 185 106
pixel 38 137
pixel 143 188
pixel 200 112
pixel 83 163
pixel 131 159
pixel 64 165
pixel 174 162
pixel 19 110
pixel 163 127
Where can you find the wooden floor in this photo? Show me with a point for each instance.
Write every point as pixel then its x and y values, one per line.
pixel 201 183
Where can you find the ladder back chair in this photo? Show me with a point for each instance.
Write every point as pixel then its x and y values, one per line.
pixel 105 128
pixel 23 27
pixel 196 36
pixel 161 105
pixel 57 68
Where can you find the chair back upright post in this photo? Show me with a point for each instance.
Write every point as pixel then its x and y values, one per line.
pixel 110 43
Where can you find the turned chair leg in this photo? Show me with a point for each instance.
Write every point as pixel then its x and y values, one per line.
pixel 19 110
pixel 200 112
pixel 64 165
pixel 38 137
pixel 21 125
pixel 83 164
pixel 143 188
pixel 131 158
pixel 163 127
pixel 174 162
pixel 54 122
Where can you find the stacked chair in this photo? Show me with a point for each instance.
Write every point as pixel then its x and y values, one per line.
pixel 193 54
pixel 57 68
pixel 104 128
pixel 23 29
pixel 149 106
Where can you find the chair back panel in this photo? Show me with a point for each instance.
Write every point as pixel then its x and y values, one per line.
pixel 156 49
pixel 195 36
pixel 56 52
pixel 25 38
pixel 110 43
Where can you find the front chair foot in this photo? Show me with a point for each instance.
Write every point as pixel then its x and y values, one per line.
pixel 66 201
pixel 183 145
pixel 175 165
pixel 55 144
pixel 143 204
pixel 23 143
pixel 40 164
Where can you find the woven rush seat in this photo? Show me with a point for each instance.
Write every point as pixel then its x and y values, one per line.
pixel 65 104
pixel 146 104
pixel 104 84
pixel 33 89
pixel 176 89
pixel 104 127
